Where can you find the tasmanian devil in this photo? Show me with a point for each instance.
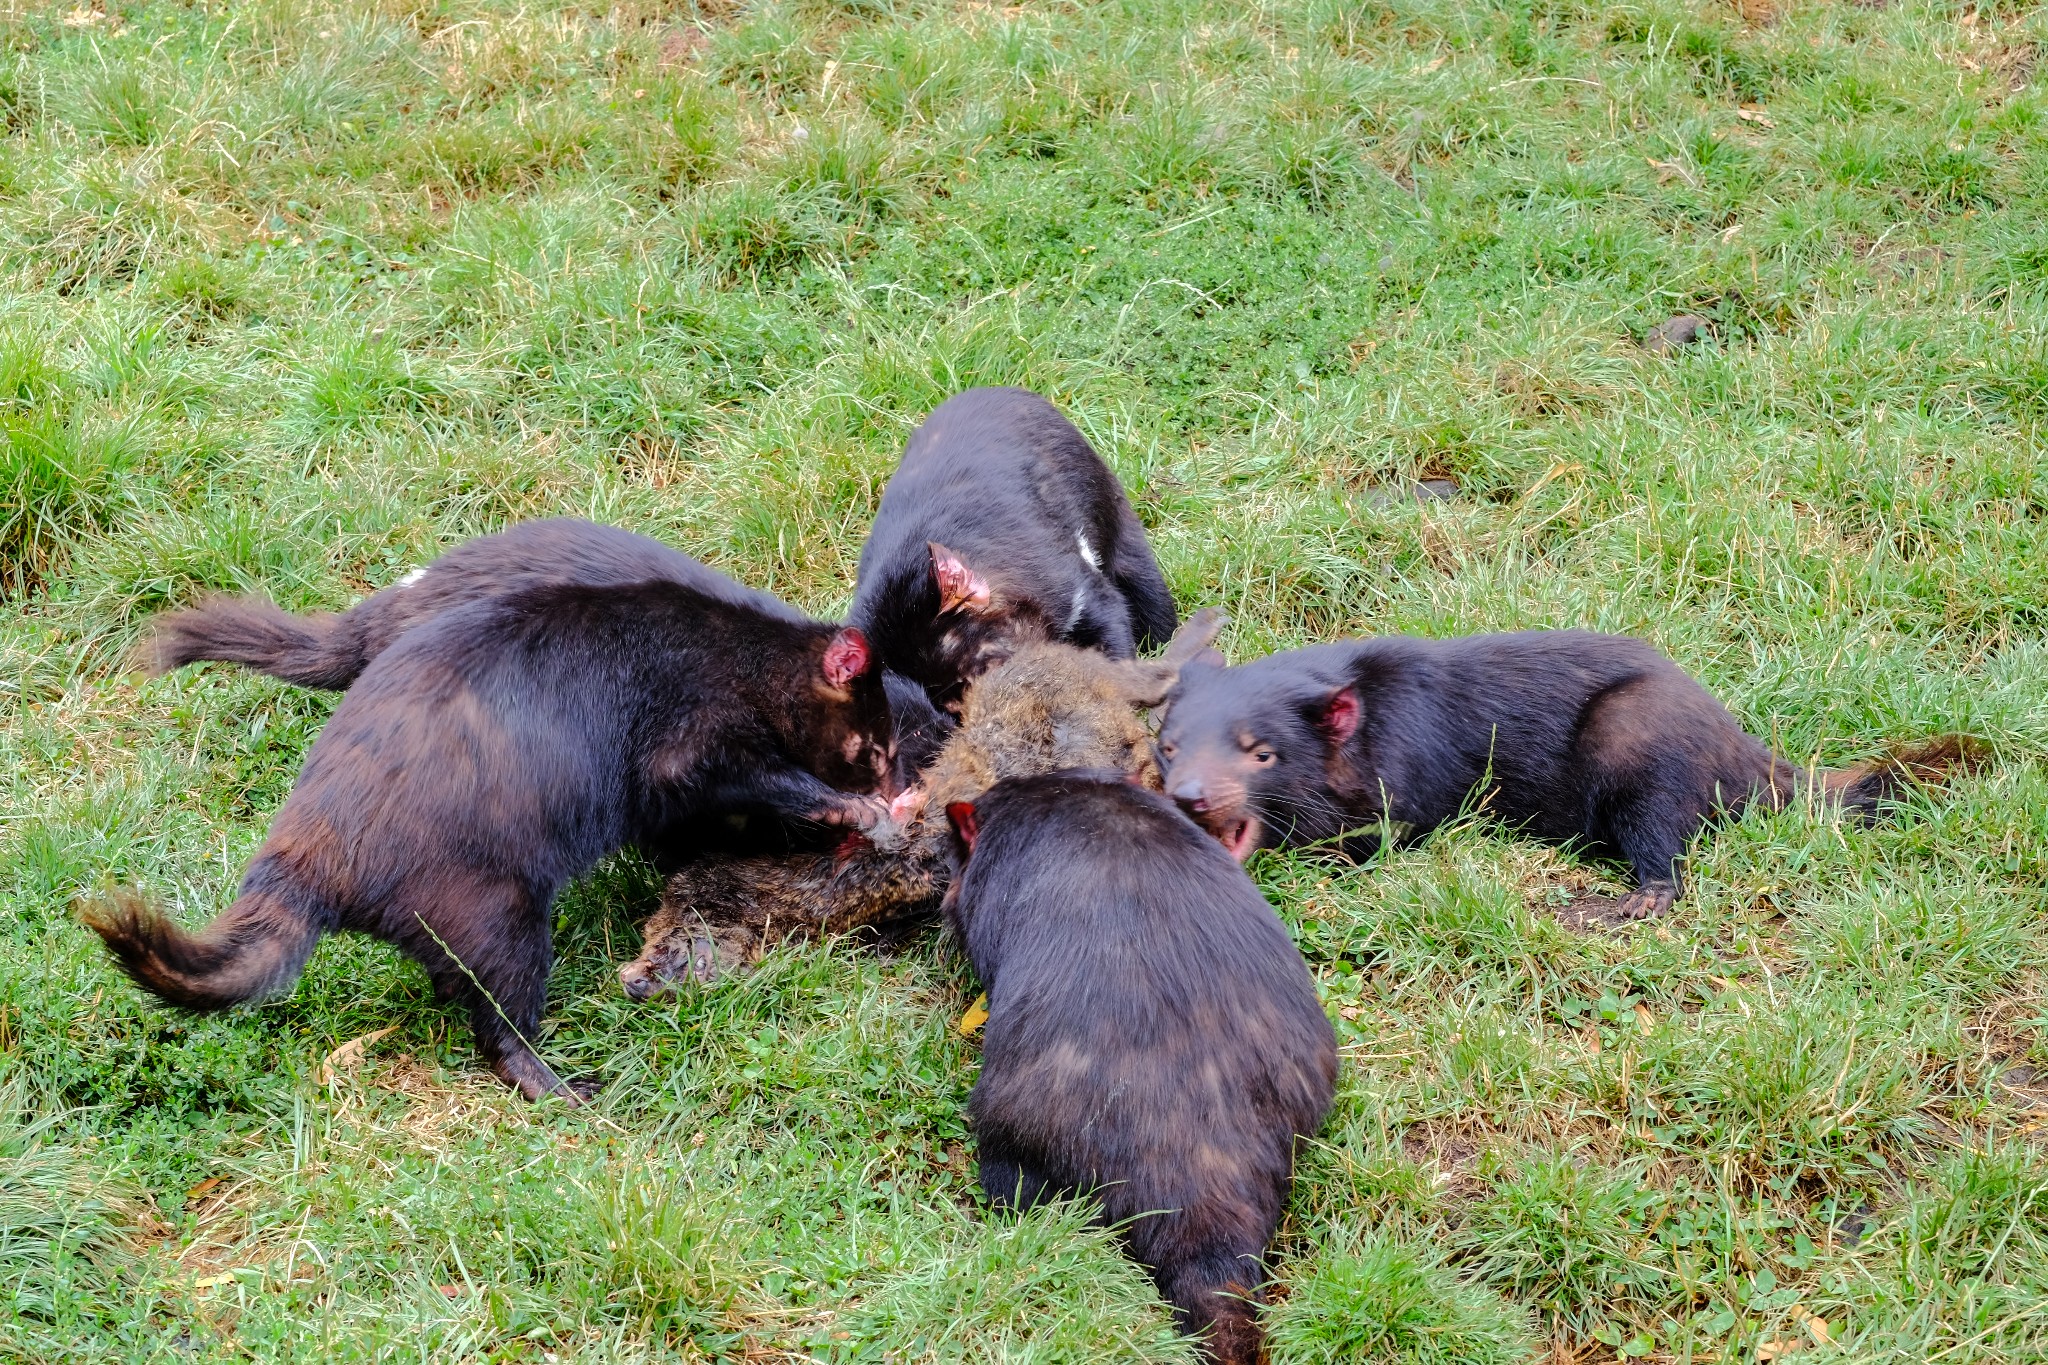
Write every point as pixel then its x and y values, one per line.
pixel 1048 707
pixel 1596 740
pixel 331 651
pixel 1002 526
pixel 1153 1037
pixel 501 748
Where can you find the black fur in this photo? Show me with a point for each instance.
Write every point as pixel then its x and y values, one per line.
pixel 1596 740
pixel 330 651
pixel 1153 1036
pixel 921 729
pixel 1003 481
pixel 500 749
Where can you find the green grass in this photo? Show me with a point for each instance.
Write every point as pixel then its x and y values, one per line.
pixel 291 297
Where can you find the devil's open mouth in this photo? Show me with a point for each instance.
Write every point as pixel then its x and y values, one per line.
pixel 1239 836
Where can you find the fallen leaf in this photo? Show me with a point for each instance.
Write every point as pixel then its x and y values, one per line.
pixel 977 1015
pixel 1645 1020
pixel 1668 171
pixel 1756 116
pixel 199 1191
pixel 453 1291
pixel 212 1281
pixel 1776 1350
pixel 349 1055
pixel 1816 1326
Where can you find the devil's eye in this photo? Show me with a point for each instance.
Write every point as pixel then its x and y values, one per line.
pixel 1262 756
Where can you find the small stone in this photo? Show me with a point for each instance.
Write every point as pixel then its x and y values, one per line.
pixel 1428 490
pixel 1669 335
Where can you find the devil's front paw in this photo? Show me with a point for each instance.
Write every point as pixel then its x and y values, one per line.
pixel 853 812
pixel 1646 902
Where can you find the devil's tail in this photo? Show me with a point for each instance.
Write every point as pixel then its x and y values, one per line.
pixel 311 651
pixel 1865 790
pixel 256 947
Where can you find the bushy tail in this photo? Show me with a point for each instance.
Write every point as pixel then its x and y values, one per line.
pixel 312 651
pixel 254 948
pixel 1866 789
pixel 1213 1296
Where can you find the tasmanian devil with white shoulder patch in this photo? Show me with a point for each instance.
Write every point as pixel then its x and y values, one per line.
pixel 1153 1040
pixel 497 750
pixel 1595 740
pixel 1002 526
pixel 331 650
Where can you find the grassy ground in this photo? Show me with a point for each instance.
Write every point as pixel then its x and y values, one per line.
pixel 295 295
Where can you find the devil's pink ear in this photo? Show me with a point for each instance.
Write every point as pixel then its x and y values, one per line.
pixel 959 586
pixel 965 823
pixel 847 657
pixel 1340 715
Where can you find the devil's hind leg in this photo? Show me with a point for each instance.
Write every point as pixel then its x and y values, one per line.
pixel 485 940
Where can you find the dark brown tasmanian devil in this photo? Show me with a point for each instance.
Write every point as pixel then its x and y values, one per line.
pixel 1595 740
pixel 1153 1038
pixel 1002 527
pixel 499 749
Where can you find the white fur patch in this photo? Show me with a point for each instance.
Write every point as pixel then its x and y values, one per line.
pixel 412 576
pixel 1088 553
pixel 1080 605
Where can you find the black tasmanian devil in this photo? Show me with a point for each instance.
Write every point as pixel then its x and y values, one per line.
pixel 498 750
pixel 331 651
pixel 1597 740
pixel 1153 1036
pixel 1002 526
